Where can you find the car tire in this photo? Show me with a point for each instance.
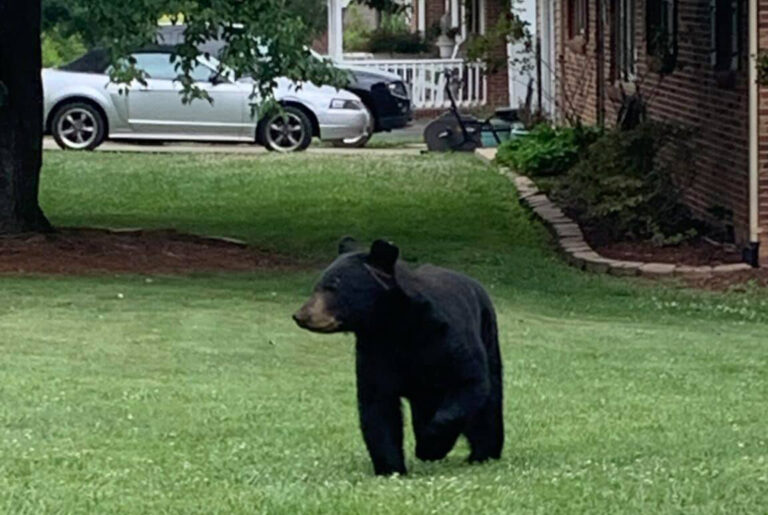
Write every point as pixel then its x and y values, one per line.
pixel 78 126
pixel 287 131
pixel 360 141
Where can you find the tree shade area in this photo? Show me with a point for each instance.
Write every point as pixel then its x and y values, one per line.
pixel 264 40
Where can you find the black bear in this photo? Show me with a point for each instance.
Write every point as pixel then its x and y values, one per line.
pixel 428 335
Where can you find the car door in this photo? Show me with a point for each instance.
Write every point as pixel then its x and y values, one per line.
pixel 157 109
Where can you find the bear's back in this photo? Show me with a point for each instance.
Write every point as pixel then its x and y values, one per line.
pixel 452 293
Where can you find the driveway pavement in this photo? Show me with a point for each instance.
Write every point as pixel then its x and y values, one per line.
pixel 405 141
pixel 239 148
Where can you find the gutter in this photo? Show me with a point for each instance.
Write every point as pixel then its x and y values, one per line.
pixel 751 254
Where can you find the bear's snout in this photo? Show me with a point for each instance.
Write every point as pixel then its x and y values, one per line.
pixel 315 316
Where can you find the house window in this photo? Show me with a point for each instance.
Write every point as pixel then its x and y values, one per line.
pixel 624 29
pixel 726 46
pixel 474 16
pixel 661 33
pixel 577 18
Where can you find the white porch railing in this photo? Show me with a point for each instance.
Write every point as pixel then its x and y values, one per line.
pixel 426 80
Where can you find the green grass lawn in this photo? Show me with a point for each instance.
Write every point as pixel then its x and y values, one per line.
pixel 129 394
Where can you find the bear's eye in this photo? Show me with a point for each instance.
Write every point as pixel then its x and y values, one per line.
pixel 333 284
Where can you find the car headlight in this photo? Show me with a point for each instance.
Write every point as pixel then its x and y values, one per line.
pixel 340 103
pixel 398 89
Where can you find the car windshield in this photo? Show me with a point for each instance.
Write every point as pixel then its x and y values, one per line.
pixel 160 66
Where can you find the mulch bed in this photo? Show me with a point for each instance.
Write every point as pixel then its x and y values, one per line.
pixel 94 251
pixel 696 252
pixel 693 253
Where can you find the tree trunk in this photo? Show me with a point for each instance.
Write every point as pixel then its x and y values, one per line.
pixel 21 117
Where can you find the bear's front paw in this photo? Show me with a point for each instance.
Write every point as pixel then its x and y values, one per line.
pixel 428 451
pixel 389 470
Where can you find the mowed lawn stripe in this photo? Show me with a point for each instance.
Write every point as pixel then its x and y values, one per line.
pixel 197 394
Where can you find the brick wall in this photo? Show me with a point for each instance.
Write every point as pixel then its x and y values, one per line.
pixel 576 67
pixel 691 96
pixel 498 83
pixel 433 11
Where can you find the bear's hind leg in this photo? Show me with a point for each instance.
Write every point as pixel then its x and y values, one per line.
pixel 430 446
pixel 485 432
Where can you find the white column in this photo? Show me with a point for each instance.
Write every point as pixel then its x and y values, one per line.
pixel 454 13
pixel 422 15
pixel 335 31
pixel 481 14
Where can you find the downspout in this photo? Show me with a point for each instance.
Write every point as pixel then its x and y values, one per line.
pixel 600 64
pixel 751 254
pixel 560 65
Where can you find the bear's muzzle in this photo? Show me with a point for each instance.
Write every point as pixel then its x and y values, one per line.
pixel 315 316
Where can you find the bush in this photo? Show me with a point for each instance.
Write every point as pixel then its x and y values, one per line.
pixel 58 49
pixel 382 41
pixel 394 36
pixel 547 151
pixel 356 30
pixel 630 185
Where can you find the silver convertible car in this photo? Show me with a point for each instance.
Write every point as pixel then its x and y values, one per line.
pixel 82 108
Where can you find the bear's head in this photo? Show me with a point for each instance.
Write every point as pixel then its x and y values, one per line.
pixel 351 290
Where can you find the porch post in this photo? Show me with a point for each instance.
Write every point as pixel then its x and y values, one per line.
pixel 335 31
pixel 422 15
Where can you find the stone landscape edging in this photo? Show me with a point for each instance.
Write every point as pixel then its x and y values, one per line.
pixel 575 249
pixel 577 252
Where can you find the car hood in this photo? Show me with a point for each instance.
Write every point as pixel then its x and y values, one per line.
pixel 368 75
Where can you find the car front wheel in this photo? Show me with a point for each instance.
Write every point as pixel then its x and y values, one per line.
pixel 78 126
pixel 286 131
pixel 359 141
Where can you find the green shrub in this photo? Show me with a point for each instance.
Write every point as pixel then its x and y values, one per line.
pixel 383 41
pixel 629 185
pixel 394 36
pixel 357 30
pixel 58 49
pixel 547 151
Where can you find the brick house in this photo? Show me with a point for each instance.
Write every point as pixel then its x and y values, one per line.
pixel 695 61
pixel 422 72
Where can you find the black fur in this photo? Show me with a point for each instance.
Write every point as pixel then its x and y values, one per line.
pixel 428 335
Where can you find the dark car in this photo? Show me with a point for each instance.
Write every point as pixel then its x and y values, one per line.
pixel 384 94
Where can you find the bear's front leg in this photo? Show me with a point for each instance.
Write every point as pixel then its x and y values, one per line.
pixel 382 424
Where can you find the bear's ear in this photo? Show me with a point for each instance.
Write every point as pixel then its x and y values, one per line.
pixel 383 256
pixel 347 244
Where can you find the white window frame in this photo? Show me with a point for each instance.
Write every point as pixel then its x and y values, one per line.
pixel 577 22
pixel 735 46
pixel 626 40
pixel 472 19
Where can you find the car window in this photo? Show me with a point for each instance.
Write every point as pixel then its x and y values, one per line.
pixel 159 66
